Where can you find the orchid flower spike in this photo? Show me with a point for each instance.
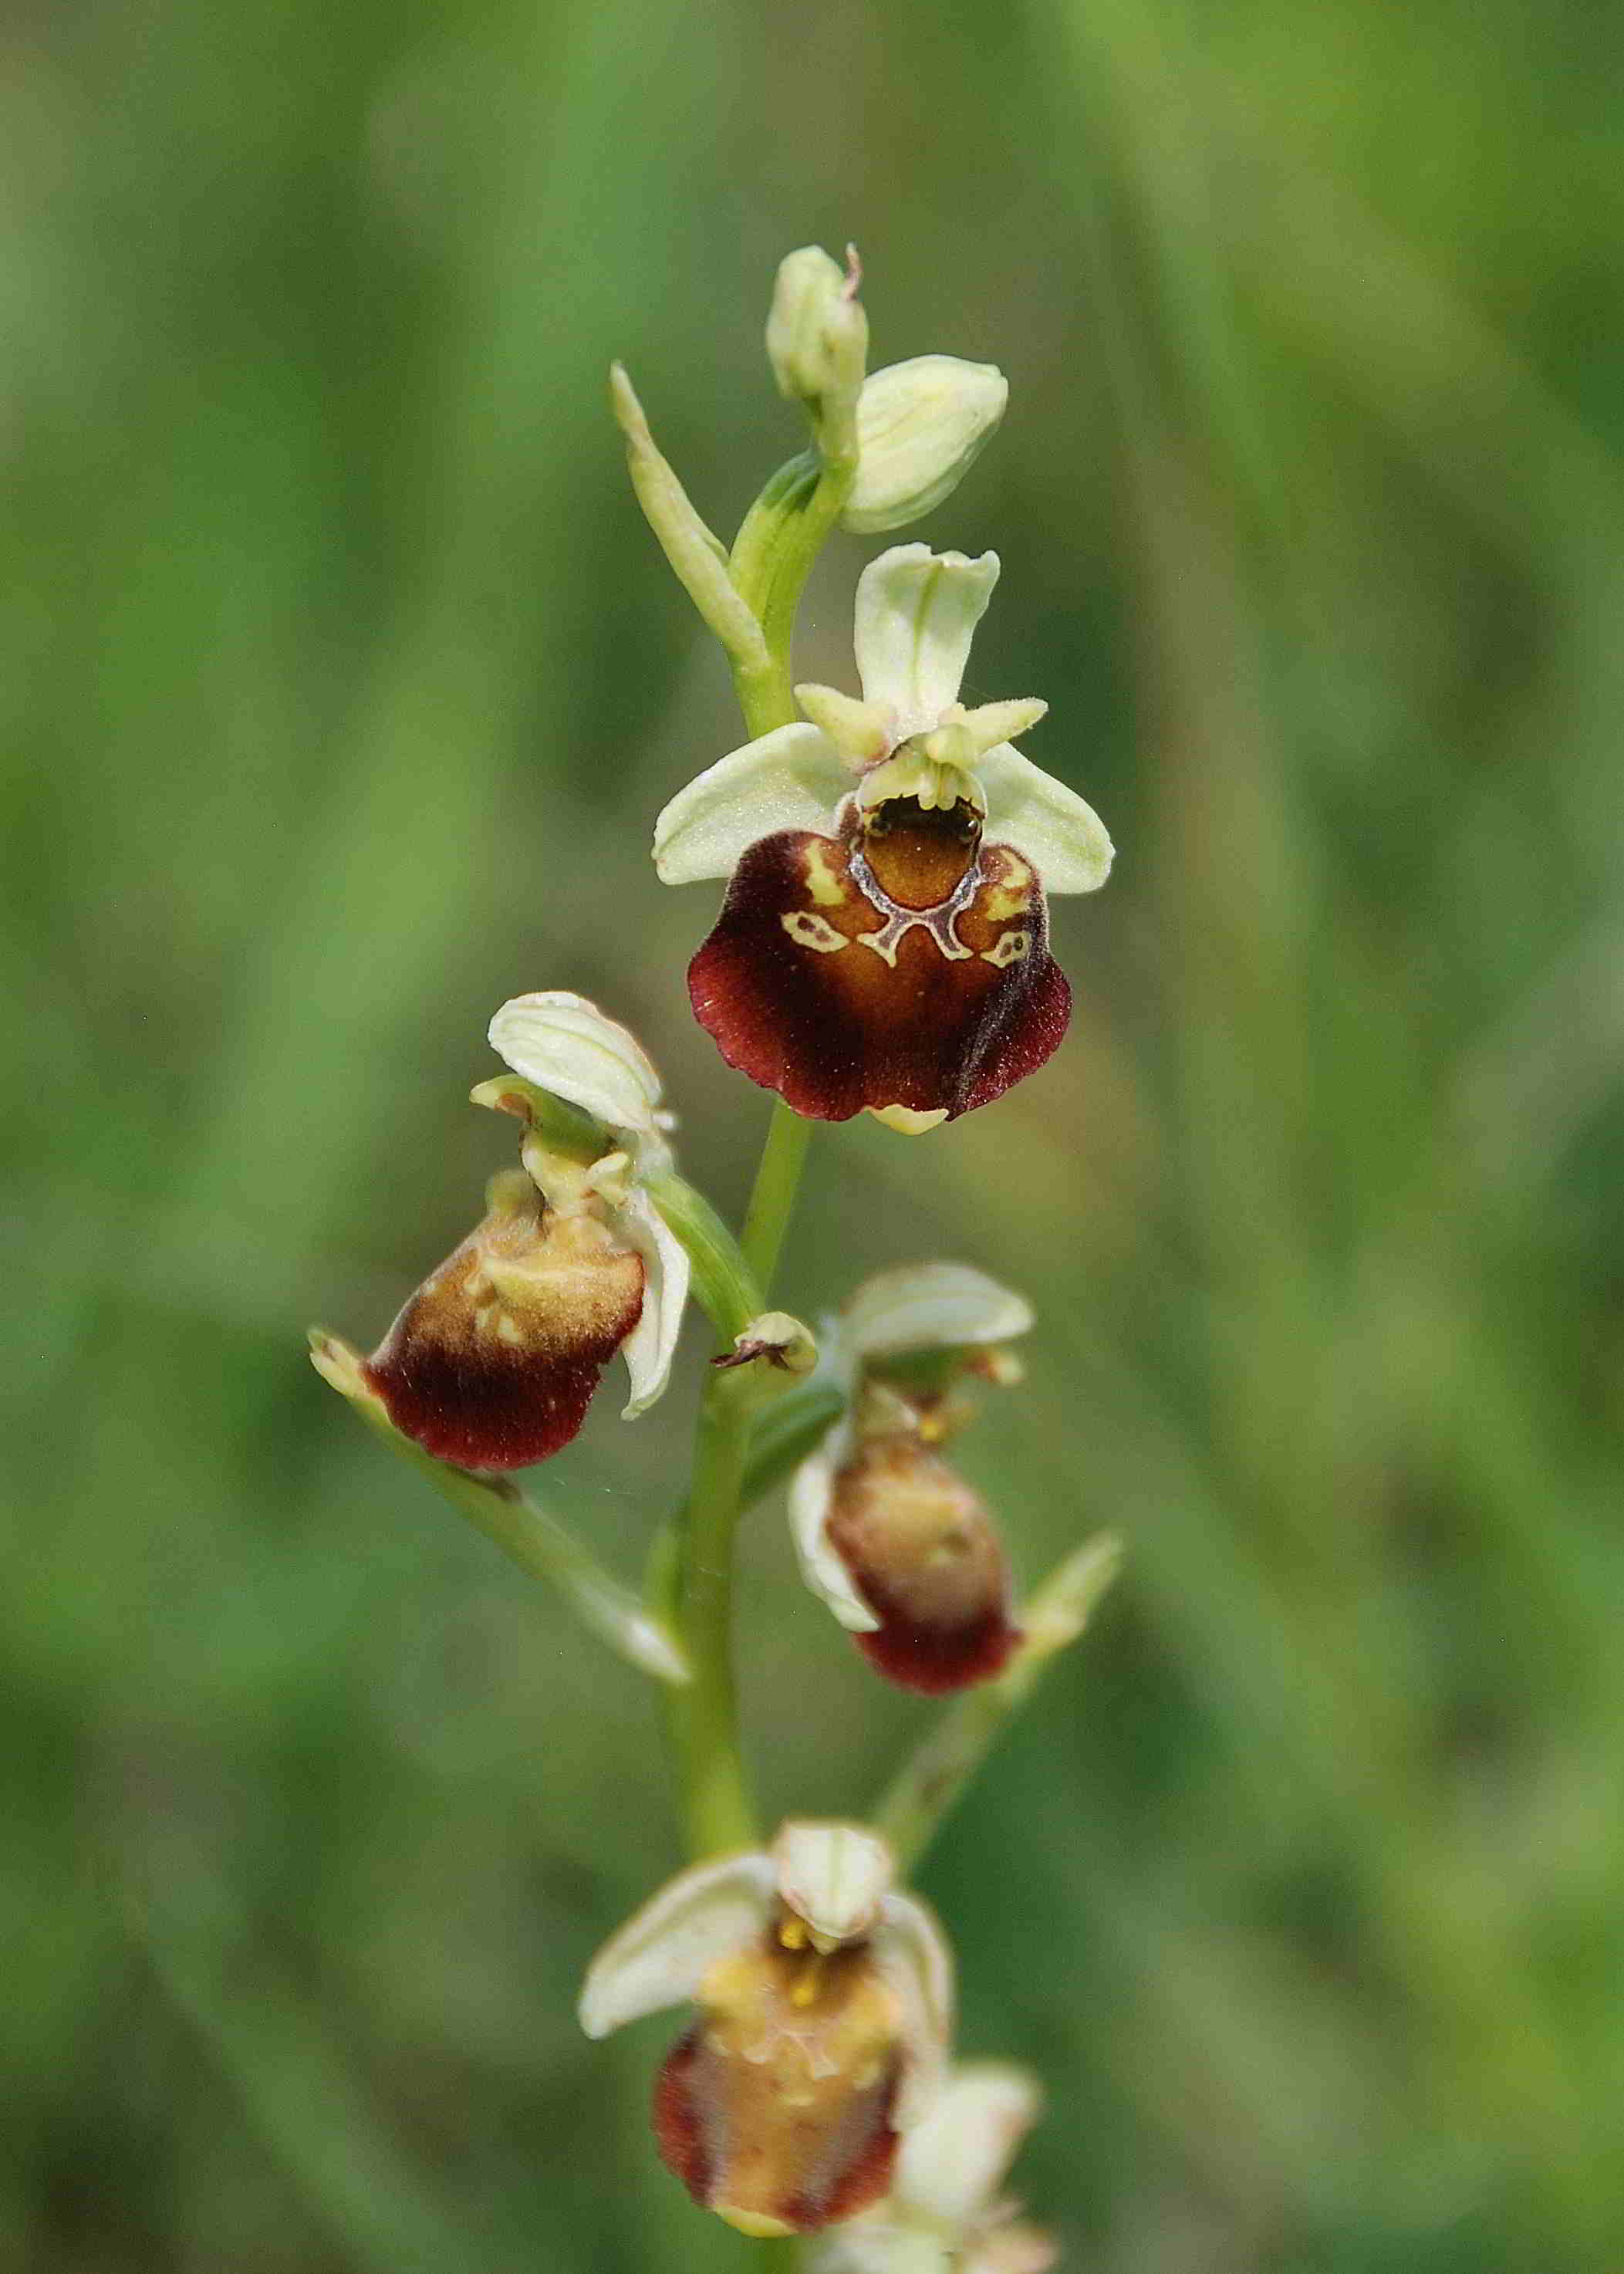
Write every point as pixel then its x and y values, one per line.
pixel 493 1362
pixel 887 1533
pixel 824 2004
pixel 884 943
pixel 943 2215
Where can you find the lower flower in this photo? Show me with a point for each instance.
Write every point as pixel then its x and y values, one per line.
pixel 823 2005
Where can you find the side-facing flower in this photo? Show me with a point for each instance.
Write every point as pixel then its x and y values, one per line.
pixel 884 943
pixel 493 1362
pixel 824 2004
pixel 943 2215
pixel 903 1553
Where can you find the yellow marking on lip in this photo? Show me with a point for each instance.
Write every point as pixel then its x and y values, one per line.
pixel 809 930
pixel 825 888
pixel 1009 949
pixel 1006 900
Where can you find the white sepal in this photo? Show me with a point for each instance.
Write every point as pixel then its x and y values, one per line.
pixel 811 1496
pixel 912 1956
pixel 1059 832
pixel 916 616
pixel 566 1045
pixel 791 779
pixel 952 2162
pixel 651 1344
pixel 663 1951
pixel 835 1876
pixel 930 1306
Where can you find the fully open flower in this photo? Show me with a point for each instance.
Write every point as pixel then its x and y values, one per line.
pixel 824 2010
pixel 943 2215
pixel 883 942
pixel 493 1362
pixel 895 1541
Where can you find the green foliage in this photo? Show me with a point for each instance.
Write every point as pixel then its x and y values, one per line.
pixel 344 684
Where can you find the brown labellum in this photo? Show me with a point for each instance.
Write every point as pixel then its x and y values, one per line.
pixel 925 1556
pixel 775 2109
pixel 493 1362
pixel 903 963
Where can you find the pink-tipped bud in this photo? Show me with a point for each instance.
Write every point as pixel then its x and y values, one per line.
pixel 493 1362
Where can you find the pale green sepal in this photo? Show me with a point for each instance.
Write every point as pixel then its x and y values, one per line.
pixel 810 1499
pixel 663 1951
pixel 921 426
pixel 1059 832
pixel 791 779
pixel 697 556
pixel 834 1876
pixel 651 1344
pixel 931 1307
pixel 916 616
pixel 566 1045
pixel 913 1955
pixel 535 1541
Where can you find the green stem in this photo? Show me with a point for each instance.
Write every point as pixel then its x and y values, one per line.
pixel 773 1198
pixel 718 1811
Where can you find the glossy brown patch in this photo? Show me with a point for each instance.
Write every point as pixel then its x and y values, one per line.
pixel 777 2107
pixel 926 1558
pixel 822 983
pixel 493 1361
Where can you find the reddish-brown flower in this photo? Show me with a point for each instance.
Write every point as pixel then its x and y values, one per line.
pixel 899 1545
pixel 884 943
pixel 493 1362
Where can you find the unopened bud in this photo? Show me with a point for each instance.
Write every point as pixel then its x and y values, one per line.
pixel 921 426
pixel 778 1340
pixel 818 334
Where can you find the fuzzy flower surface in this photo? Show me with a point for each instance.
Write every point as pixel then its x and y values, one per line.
pixel 887 1533
pixel 493 1362
pixel 823 2001
pixel 944 2214
pixel 883 941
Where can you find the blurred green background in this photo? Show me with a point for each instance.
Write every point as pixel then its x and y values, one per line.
pixel 343 682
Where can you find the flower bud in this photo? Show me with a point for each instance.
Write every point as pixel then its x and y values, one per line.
pixel 493 1361
pixel 921 426
pixel 817 333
